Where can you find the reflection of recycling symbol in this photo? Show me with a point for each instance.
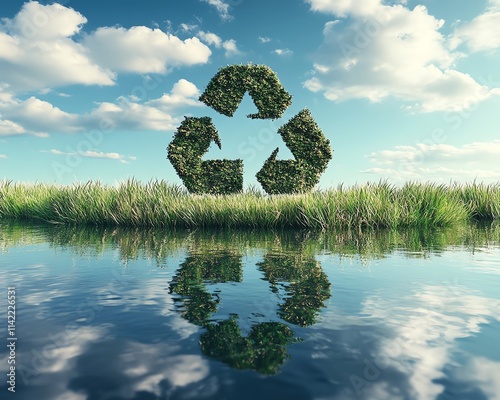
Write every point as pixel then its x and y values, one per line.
pixel 297 280
pixel 224 94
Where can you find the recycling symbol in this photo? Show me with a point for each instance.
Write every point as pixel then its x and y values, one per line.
pixel 224 93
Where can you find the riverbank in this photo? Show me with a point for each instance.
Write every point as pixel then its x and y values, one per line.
pixel 160 204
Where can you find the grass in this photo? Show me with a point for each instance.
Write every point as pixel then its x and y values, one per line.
pixel 159 204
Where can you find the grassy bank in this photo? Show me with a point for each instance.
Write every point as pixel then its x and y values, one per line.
pixel 159 204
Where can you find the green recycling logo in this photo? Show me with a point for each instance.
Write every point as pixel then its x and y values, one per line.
pixel 224 93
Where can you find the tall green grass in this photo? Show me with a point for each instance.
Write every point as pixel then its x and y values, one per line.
pixel 159 204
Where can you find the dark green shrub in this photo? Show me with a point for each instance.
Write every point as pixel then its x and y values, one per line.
pixel 264 349
pixel 312 153
pixel 192 140
pixel 227 88
pixel 224 93
pixel 222 176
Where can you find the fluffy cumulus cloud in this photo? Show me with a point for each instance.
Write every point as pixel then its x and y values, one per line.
pixel 438 162
pixel 231 48
pixel 343 8
pixel 211 39
pixel 482 33
pixel 142 50
pixel 43 47
pixel 37 117
pixel 39 50
pixel 9 128
pixel 158 114
pixel 184 93
pixel 385 51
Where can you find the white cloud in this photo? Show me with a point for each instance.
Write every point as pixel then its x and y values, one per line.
pixel 142 50
pixel 184 93
pixel 439 162
pixel 157 114
pixel 390 51
pixel 188 27
pixel 210 38
pixel 230 47
pixel 130 116
pixel 38 50
pixel 9 128
pixel 37 21
pixel 222 8
pixel 38 117
pixel 482 33
pixel 95 154
pixel 343 8
pixel 283 52
pixel 3 156
pixel 264 39
pixel 42 56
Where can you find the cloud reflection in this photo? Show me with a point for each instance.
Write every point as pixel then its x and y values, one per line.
pixel 424 335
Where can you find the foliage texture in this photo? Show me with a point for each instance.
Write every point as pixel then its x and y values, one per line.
pixel 227 88
pixel 312 153
pixel 224 93
pixel 192 140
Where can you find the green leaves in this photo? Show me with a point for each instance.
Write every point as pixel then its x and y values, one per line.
pixel 227 88
pixel 224 93
pixel 263 349
pixel 192 140
pixel 312 153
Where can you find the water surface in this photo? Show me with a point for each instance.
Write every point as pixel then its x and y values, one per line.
pixel 138 314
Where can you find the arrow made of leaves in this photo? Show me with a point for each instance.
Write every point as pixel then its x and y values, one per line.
pixel 226 89
pixel 192 140
pixel 312 153
pixel 224 94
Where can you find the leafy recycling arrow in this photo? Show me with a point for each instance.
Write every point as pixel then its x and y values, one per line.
pixel 311 151
pixel 191 142
pixel 224 93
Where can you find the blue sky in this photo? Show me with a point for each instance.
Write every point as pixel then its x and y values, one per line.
pixel 404 90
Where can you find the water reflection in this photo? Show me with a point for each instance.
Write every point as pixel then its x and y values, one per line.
pixel 262 350
pixel 191 315
pixel 161 244
pixel 305 288
pixel 197 304
pixel 305 284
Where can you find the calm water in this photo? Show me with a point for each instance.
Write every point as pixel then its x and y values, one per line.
pixel 144 315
